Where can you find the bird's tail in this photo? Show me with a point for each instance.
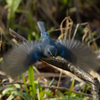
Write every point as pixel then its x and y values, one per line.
pixel 42 26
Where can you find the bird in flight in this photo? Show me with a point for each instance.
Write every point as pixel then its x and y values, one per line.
pixel 25 54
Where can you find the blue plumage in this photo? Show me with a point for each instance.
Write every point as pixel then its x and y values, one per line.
pixel 71 50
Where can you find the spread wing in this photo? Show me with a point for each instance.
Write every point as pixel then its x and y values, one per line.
pixel 77 53
pixel 20 58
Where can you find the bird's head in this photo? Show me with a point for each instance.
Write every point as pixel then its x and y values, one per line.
pixel 50 51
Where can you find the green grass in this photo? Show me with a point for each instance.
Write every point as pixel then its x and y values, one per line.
pixel 34 91
pixel 15 7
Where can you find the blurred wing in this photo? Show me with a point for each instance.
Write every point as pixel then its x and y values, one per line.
pixel 77 53
pixel 19 58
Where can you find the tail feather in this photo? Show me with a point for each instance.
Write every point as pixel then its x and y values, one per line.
pixel 42 26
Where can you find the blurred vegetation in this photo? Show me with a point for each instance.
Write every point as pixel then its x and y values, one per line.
pixel 23 15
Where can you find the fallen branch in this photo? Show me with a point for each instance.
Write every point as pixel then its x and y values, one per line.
pixel 93 82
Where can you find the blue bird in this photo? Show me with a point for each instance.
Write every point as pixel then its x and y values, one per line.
pixel 73 51
pixel 22 56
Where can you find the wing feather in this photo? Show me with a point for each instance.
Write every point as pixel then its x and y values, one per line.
pixel 19 58
pixel 78 54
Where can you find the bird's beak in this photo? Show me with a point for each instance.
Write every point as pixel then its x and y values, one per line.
pixel 50 58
